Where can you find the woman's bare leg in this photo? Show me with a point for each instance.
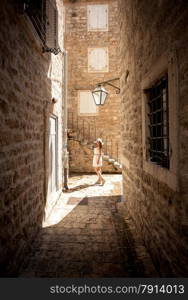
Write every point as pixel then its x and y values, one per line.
pixel 97 172
pixel 100 179
pixel 100 176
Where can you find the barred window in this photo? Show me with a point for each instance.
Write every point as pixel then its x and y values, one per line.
pixel 158 117
pixel 43 16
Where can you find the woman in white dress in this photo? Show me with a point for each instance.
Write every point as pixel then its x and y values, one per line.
pixel 97 160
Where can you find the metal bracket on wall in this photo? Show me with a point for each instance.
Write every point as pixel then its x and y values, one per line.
pixel 108 82
pixel 51 50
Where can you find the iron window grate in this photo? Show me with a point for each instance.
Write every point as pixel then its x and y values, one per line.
pixel 159 122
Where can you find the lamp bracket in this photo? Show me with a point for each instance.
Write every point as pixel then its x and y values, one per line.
pixel 108 82
pixel 51 50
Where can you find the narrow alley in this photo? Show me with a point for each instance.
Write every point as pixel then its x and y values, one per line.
pixel 85 236
pixel 93 88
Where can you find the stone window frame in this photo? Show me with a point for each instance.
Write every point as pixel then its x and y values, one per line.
pixel 86 114
pixel 167 63
pixel 106 70
pixel 98 29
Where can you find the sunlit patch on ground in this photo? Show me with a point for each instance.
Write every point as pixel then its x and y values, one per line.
pixel 80 187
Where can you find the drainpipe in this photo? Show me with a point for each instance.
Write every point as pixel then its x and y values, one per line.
pixel 65 132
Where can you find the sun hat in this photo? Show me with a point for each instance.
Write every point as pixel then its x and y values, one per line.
pixel 99 140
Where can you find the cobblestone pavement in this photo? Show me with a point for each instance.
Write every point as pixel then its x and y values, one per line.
pixel 85 236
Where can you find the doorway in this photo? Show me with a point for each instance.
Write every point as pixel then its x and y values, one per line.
pixel 53 156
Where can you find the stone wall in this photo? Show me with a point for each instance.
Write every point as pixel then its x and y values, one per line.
pixel 77 41
pixel 148 30
pixel 29 80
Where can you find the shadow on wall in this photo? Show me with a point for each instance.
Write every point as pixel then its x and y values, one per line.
pixel 25 109
pixel 79 187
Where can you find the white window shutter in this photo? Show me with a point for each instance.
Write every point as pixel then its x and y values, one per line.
pixel 102 17
pixel 97 17
pixel 92 17
pixel 98 60
pixel 86 103
pixel 51 25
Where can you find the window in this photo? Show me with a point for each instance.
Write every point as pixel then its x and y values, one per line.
pixel 43 17
pixel 97 17
pixel 35 10
pixel 98 60
pixel 86 103
pixel 160 120
pixel 158 117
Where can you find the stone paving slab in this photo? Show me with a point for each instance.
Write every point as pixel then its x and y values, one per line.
pixel 85 236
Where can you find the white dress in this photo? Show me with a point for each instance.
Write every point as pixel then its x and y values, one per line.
pixel 96 157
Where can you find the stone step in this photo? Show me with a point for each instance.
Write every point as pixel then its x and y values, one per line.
pixel 106 157
pixel 85 142
pixel 111 160
pixel 90 146
pixel 116 164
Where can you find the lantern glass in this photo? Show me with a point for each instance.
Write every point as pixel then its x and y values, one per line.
pixel 99 95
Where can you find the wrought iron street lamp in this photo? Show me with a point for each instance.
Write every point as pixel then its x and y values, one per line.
pixel 100 94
